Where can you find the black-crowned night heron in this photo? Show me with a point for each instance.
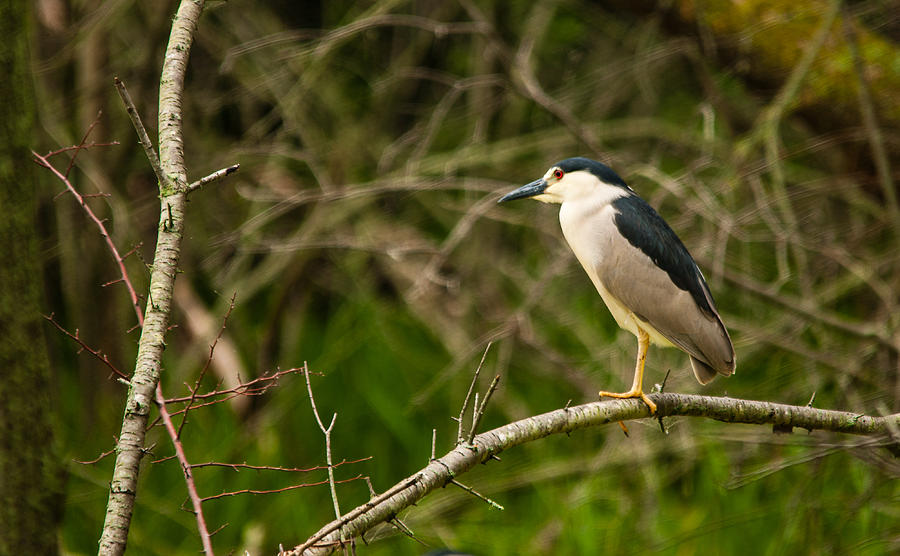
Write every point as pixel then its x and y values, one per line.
pixel 644 274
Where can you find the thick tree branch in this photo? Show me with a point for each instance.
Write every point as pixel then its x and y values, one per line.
pixel 130 449
pixel 464 457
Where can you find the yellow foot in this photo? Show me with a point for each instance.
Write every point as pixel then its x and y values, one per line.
pixel 632 394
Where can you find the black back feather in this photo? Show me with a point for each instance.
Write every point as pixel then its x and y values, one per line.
pixel 645 229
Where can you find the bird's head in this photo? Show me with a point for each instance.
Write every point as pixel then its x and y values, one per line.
pixel 568 180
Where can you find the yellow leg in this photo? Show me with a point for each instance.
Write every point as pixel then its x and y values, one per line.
pixel 637 386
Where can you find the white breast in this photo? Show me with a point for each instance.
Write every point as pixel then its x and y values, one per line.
pixel 589 227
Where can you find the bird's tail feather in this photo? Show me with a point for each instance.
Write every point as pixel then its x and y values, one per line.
pixel 702 371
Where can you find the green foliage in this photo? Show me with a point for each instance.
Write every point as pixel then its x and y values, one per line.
pixel 361 236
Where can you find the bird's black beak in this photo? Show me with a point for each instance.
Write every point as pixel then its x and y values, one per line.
pixel 530 190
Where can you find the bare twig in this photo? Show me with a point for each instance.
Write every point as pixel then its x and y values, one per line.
pixel 217 175
pixel 277 490
pixel 480 410
pixel 96 353
pixel 196 501
pixel 80 147
pixel 255 387
pixel 368 481
pixel 403 528
pixel 476 494
pixel 239 466
pixel 98 458
pixel 120 261
pixel 459 433
pixel 212 349
pixel 141 132
pixel 327 433
pixel 83 141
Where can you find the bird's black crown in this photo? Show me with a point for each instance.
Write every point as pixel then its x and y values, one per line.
pixel 602 171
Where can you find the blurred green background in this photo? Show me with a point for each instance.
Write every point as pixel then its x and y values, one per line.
pixel 361 235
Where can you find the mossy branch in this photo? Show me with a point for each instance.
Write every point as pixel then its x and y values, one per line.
pixel 464 457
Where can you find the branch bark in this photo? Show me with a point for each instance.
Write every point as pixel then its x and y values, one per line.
pixel 130 449
pixel 464 457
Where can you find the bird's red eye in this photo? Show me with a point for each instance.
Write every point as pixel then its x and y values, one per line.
pixel 558 174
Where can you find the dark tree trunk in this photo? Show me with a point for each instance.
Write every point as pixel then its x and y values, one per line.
pixel 30 494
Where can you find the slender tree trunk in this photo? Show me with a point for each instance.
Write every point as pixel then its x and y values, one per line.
pixel 30 472
pixel 173 194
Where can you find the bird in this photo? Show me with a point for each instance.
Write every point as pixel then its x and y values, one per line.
pixel 643 272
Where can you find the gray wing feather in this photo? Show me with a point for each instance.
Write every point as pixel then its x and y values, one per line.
pixel 648 292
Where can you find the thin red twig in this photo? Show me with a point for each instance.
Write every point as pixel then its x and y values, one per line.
pixel 277 490
pixel 212 349
pixel 255 387
pixel 81 147
pixel 98 458
pixel 81 144
pixel 135 302
pixel 95 352
pixel 196 501
pixel 239 466
pixel 206 404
